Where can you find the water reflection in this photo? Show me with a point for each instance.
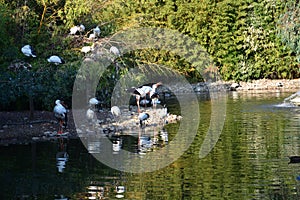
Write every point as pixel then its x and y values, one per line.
pixel 62 155
pixel 140 142
pixel 249 161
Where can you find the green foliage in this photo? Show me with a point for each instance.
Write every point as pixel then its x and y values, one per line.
pixel 246 40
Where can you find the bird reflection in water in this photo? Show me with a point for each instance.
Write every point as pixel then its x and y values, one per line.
pixel 116 145
pixel 62 156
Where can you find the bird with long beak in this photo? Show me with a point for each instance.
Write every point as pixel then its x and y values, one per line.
pixel 144 91
pixel 60 113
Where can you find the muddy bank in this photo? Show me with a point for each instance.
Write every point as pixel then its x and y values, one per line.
pixel 17 128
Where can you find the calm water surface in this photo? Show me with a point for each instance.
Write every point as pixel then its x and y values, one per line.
pixel 250 160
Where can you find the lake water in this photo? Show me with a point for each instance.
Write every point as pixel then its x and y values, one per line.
pixel 250 159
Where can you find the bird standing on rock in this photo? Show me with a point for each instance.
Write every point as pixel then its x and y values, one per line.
pixel 116 112
pixel 60 113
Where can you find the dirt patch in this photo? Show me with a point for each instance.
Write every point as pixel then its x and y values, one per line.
pixel 17 128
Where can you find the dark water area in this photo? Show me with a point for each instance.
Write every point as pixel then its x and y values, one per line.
pixel 250 159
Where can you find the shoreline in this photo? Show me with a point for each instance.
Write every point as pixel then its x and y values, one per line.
pixel 17 128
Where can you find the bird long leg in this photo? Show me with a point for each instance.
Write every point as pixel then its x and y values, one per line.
pixel 60 127
pixel 138 103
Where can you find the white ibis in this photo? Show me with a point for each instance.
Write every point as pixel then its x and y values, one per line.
pixel 60 113
pixel 27 50
pixel 143 91
pixel 56 60
pixel 143 117
pixel 97 31
pixel 114 50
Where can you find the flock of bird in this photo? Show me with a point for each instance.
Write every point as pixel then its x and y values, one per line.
pixel 29 51
pixel 143 93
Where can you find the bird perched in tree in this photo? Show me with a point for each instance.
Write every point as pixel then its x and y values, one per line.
pixel 74 29
pixel 60 113
pixel 81 28
pixel 114 50
pixel 56 60
pixel 28 50
pixel 87 49
pixel 97 31
pixel 145 91
pixel 143 117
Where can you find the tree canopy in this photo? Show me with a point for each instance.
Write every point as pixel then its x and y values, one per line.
pixel 246 40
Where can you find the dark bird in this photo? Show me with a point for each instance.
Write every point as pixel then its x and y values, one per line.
pixel 60 113
pixel 143 117
pixel 147 91
pixel 27 50
pixel 294 159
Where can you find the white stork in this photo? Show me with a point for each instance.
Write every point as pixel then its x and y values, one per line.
pixel 144 91
pixel 60 113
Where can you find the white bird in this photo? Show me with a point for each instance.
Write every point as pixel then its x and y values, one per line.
pixel 78 28
pixel 114 50
pixel 27 50
pixel 81 28
pixel 143 117
pixel 90 115
pixel 92 36
pixel 74 30
pixel 93 101
pixel 115 111
pixel 145 91
pixel 87 49
pixel 234 86
pixel 60 113
pixel 56 60
pixel 97 31
pixel 120 189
